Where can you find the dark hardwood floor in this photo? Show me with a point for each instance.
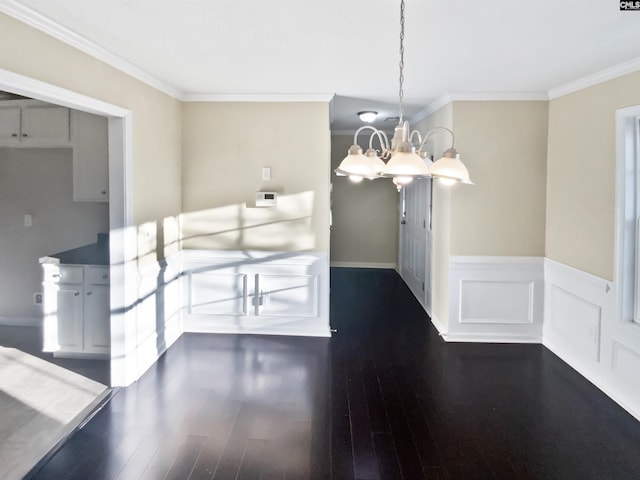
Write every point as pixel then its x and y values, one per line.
pixel 385 398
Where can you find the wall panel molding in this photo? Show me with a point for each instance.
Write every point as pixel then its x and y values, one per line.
pixel 495 299
pixel 582 328
pixel 269 293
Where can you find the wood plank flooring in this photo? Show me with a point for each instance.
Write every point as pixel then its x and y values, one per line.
pixel 385 398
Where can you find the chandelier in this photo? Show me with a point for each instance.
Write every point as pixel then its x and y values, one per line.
pixel 399 158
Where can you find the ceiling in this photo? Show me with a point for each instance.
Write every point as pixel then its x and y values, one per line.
pixel 350 47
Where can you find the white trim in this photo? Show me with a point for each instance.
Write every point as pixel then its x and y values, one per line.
pixel 351 133
pixel 494 262
pixel 581 327
pixel 577 274
pixel 432 107
pixel 20 321
pixel 624 239
pixel 59 32
pixel 30 87
pixel 499 96
pixel 266 98
pixel 558 348
pixel 391 266
pixel 616 71
pixel 122 237
pixel 497 337
pixel 447 98
pixel 442 330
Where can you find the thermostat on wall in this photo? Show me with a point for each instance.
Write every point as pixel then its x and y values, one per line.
pixel 266 199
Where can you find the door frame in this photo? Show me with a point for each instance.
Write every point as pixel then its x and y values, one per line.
pixel 122 239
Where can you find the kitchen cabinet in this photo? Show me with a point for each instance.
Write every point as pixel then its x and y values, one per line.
pixel 76 310
pixel 33 124
pixel 89 136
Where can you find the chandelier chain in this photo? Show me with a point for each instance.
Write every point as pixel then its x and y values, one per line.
pixel 401 79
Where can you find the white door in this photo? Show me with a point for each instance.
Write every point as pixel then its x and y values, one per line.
pixel 414 258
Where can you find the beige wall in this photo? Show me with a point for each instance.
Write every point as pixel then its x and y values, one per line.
pixel 225 146
pixel 441 219
pixel 504 146
pixel 365 215
pixel 581 174
pixel 156 117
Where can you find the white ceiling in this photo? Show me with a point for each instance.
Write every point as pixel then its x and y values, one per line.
pixel 350 47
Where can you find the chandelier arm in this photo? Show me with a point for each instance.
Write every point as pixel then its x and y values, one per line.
pixel 361 129
pixel 382 138
pixel 416 133
pixel 434 130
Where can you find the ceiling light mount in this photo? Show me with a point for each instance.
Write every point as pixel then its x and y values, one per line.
pixel 404 161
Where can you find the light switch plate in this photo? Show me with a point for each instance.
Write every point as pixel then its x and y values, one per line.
pixel 266 173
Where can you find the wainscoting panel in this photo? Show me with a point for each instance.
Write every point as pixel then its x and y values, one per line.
pixel 496 299
pixel 582 326
pixel 274 293
pixel 507 302
pixel 577 319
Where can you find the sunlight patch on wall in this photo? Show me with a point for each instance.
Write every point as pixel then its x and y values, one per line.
pixel 286 227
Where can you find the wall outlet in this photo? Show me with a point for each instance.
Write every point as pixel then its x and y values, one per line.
pixel 37 298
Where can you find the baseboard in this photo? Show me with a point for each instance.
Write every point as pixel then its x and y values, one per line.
pixel 193 325
pixel 442 331
pixel 20 321
pixel 582 327
pixel 391 266
pixel 491 338
pixel 587 372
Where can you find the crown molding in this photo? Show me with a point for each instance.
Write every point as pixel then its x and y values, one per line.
pixel 432 107
pixel 616 71
pixel 265 98
pixel 447 98
pixel 353 132
pixel 500 97
pixel 57 31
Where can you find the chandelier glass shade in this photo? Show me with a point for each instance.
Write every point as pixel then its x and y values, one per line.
pixel 405 157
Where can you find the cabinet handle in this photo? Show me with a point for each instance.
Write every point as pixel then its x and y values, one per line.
pixel 89 293
pixel 103 192
pixel 75 294
pixel 57 275
pixel 105 276
pixel 25 135
pixel 14 134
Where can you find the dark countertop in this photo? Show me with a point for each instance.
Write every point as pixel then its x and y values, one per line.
pixel 93 254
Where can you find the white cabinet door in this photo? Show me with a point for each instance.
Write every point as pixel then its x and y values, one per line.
pixel 214 293
pixel 89 135
pixel 288 295
pixel 9 125
pixel 45 126
pixel 97 332
pixel 69 311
